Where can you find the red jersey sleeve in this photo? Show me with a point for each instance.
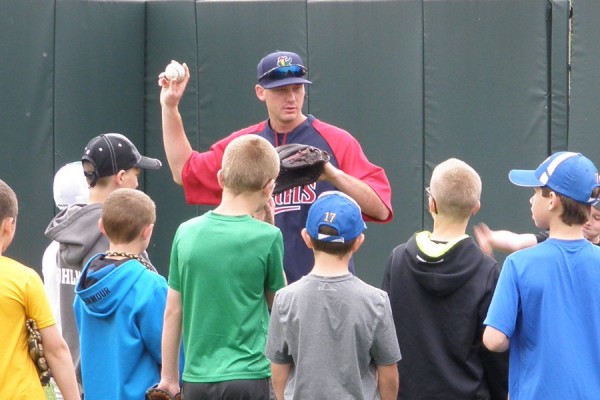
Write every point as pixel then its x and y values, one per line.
pixel 353 161
pixel 199 174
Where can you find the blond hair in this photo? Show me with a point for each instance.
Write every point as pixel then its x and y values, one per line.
pixel 456 188
pixel 249 163
pixel 125 213
pixel 9 206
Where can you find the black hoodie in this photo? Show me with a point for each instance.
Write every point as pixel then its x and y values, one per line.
pixel 440 294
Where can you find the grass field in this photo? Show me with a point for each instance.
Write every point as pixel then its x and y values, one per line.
pixel 49 389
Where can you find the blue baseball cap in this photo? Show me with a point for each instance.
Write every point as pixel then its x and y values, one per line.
pixel 281 68
pixel 570 174
pixel 336 210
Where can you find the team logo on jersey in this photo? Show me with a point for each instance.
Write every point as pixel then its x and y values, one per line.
pixel 284 61
pixel 293 199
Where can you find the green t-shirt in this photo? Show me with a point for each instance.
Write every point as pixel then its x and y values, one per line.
pixel 222 267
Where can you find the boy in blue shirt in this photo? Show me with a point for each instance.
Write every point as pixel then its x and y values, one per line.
pixel 545 303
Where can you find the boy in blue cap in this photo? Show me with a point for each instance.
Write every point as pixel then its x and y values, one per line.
pixel 545 303
pixel 332 336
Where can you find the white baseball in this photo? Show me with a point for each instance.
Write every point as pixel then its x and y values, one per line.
pixel 174 72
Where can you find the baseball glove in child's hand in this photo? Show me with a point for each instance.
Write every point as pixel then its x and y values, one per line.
pixel 301 165
pixel 153 393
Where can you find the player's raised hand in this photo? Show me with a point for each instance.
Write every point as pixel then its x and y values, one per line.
pixel 172 89
pixel 483 235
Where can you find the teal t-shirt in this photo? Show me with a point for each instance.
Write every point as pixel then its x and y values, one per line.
pixel 222 266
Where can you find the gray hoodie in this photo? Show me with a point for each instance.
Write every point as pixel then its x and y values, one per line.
pixel 76 229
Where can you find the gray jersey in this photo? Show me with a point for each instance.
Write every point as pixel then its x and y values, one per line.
pixel 335 331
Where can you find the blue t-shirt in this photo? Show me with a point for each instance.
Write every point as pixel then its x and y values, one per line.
pixel 547 302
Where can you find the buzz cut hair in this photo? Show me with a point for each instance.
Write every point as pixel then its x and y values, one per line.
pixel 249 163
pixel 456 188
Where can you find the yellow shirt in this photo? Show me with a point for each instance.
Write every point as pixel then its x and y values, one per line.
pixel 21 295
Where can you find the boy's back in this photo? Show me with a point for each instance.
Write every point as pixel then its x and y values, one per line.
pixel 440 286
pixel 225 266
pixel 119 304
pixel 222 266
pixel 21 296
pixel 545 307
pixel 332 336
pixel 336 330
pixel 118 308
pixel 558 282
pixel 440 295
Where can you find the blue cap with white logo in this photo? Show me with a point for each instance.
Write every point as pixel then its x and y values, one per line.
pixel 570 174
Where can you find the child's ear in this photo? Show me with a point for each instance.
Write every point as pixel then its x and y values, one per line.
pixel 476 208
pixel 359 241
pixel 101 227
pixel 554 201
pixel 268 188
pixel 307 239
pixel 147 231
pixel 8 226
pixel 220 178
pixel 120 176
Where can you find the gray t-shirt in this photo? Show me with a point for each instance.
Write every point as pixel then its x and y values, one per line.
pixel 335 331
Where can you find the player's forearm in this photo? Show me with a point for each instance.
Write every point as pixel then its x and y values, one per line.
pixel 508 241
pixel 171 342
pixel 363 194
pixel 59 360
pixel 388 382
pixel 280 373
pixel 177 146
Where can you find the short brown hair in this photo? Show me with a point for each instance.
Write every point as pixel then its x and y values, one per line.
pixel 573 212
pixel 9 206
pixel 249 163
pixel 335 248
pixel 125 213
pixel 456 188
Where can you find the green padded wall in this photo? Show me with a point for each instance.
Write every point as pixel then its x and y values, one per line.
pixel 367 78
pixel 485 88
pixel 170 35
pixel 415 81
pixel 26 119
pixel 584 118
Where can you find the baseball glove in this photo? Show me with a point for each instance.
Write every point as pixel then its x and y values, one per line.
pixel 36 351
pixel 301 165
pixel 153 393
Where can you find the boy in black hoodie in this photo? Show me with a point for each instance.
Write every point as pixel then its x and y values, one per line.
pixel 440 285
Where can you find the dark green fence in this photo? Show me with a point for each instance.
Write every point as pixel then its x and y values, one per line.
pixel 416 82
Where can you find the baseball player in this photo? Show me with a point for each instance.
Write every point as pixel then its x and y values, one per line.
pixel 282 78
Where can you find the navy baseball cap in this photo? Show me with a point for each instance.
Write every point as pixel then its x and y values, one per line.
pixel 111 152
pixel 281 68
pixel 570 174
pixel 336 210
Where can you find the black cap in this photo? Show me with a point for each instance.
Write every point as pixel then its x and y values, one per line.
pixel 112 152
